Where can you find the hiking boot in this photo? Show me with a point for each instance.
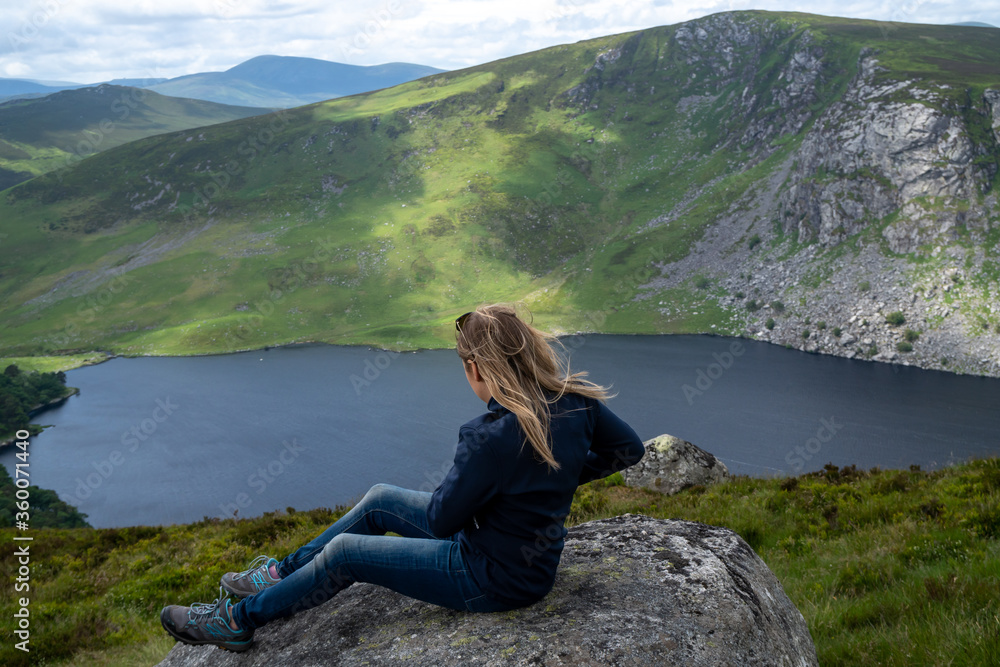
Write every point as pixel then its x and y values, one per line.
pixel 252 580
pixel 203 623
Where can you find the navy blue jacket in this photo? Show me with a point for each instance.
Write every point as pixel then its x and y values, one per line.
pixel 508 507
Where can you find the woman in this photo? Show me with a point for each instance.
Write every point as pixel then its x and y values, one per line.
pixel 489 537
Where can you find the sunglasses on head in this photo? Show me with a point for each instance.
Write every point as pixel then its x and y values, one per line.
pixel 460 322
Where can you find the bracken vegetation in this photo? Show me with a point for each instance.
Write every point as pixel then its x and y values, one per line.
pixel 888 567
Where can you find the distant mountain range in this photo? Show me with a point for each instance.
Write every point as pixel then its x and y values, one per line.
pixel 264 81
pixel 10 88
pixel 46 125
pixel 279 81
pixel 26 89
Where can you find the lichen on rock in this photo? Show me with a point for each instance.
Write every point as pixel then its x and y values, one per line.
pixel 672 465
pixel 631 590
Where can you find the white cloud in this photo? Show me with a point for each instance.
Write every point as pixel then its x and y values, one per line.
pixel 16 70
pixel 93 40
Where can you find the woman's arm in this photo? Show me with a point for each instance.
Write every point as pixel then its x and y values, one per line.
pixel 472 481
pixel 615 446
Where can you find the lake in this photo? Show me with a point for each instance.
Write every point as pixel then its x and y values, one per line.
pixel 173 440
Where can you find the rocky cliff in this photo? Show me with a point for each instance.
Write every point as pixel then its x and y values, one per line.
pixel 630 591
pixel 876 233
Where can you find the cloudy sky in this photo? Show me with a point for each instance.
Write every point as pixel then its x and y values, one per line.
pixel 87 41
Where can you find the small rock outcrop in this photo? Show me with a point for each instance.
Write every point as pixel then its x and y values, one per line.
pixel 671 465
pixel 630 590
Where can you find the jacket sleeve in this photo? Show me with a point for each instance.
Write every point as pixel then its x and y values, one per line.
pixel 474 479
pixel 615 446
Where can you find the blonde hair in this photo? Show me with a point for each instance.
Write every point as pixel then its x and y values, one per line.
pixel 521 370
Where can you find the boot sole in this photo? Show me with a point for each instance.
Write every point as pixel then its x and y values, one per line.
pixel 229 646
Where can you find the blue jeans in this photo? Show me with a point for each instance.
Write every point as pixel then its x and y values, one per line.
pixel 356 548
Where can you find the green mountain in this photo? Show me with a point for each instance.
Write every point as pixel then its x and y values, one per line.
pixel 794 178
pixel 286 81
pixel 43 134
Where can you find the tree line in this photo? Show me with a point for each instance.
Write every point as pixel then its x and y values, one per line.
pixel 21 392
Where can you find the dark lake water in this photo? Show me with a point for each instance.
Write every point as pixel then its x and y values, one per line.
pixel 172 440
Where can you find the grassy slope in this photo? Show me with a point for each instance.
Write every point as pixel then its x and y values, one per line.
pixel 42 135
pixel 53 364
pixel 888 567
pixel 378 218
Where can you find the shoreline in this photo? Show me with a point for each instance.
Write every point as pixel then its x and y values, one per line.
pixel 836 351
pixel 811 474
pixel 55 402
pixel 38 409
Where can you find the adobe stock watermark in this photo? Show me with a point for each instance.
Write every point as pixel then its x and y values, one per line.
pixel 706 377
pixel 91 140
pixel 334 582
pixel 37 20
pixel 91 308
pixel 263 477
pixel 131 440
pixel 586 156
pixel 596 318
pixel 433 479
pixel 227 7
pixel 571 342
pixel 642 274
pixel 564 8
pixel 802 454
pixel 377 23
pixel 248 149
pixel 298 274
pixel 552 536
pixel 470 447
pixel 373 369
pixel 901 12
